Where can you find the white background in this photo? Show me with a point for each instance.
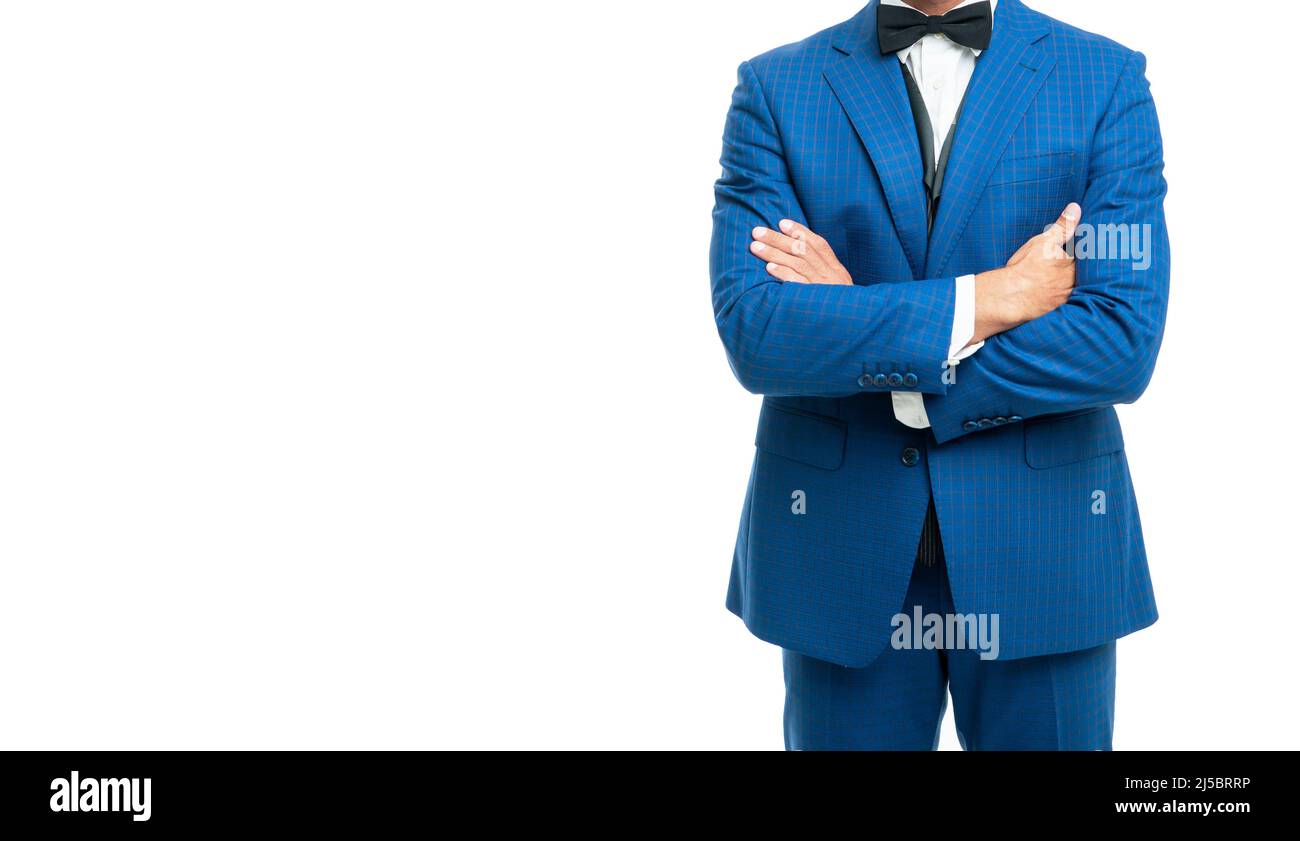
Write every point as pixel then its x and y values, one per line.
pixel 359 384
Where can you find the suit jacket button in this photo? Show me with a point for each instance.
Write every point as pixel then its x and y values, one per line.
pixel 910 380
pixel 970 426
pixel 1015 419
pixel 895 380
pixel 882 380
pixel 985 423
pixel 864 381
pixel 999 421
pixel 911 455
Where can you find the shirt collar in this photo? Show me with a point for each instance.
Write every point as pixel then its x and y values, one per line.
pixel 903 54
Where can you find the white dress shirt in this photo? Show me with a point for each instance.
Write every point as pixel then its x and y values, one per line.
pixel 942 70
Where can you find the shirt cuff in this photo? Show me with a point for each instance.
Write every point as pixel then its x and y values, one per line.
pixel 963 321
pixel 909 408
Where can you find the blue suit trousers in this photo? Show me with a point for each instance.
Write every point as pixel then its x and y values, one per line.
pixel 1051 702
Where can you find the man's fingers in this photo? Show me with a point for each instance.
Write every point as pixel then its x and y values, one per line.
pixel 797 255
pixel 791 227
pixel 785 273
pixel 779 241
pixel 1065 226
pixel 798 232
pixel 1054 239
pixel 1070 219
pixel 820 253
pixel 771 255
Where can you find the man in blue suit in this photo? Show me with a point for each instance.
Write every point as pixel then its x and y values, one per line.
pixel 940 254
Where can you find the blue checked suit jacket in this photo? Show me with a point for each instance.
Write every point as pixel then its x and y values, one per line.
pixel 1025 458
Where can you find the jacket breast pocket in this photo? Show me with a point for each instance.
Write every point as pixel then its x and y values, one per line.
pixel 1072 438
pixel 815 440
pixel 1018 170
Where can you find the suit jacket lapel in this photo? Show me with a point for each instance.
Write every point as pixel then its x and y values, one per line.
pixel 1007 78
pixel 871 90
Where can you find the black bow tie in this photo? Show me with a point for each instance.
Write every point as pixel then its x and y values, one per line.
pixel 899 27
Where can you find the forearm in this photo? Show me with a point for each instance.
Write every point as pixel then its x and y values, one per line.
pixel 993 312
pixel 1092 352
pixel 835 341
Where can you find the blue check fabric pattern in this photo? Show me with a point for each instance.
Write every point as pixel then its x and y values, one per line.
pixel 1025 458
pixel 1053 702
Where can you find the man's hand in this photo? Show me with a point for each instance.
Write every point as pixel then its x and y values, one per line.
pixel 1038 279
pixel 797 255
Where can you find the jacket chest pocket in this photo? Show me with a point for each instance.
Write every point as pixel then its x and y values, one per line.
pixel 1027 168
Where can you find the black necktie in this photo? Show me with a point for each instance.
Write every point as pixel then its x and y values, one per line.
pixel 899 27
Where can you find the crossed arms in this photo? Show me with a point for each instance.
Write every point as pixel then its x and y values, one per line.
pixel 1059 335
